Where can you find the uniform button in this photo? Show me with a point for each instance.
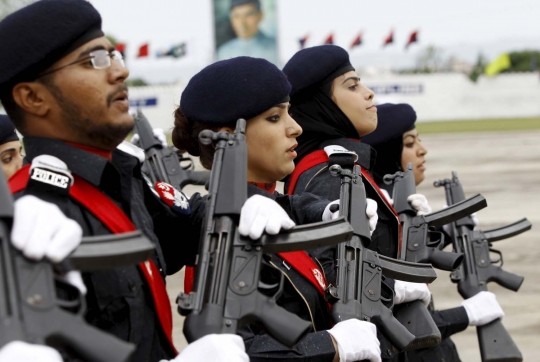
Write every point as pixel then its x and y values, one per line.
pixel 131 286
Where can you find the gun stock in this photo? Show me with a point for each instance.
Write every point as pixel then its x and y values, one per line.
pixel 496 345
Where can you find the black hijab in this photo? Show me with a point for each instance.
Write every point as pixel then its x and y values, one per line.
pixel 387 140
pixel 320 118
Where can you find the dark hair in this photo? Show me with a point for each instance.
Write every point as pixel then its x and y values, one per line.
pixel 185 137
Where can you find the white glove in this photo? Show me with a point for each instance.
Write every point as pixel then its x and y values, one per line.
pixel 356 341
pixel 215 348
pixel 132 149
pixel 25 352
pixel 419 203
pixel 388 198
pixel 159 134
pixel 371 212
pixel 408 292
pixel 482 309
pixel 328 215
pixel 41 230
pixel 260 214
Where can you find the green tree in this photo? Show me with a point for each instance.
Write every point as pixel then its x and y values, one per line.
pixel 524 61
pixel 478 68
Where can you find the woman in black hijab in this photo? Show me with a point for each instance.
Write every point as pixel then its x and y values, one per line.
pixel 396 141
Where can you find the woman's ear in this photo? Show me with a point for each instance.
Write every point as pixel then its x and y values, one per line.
pixel 226 129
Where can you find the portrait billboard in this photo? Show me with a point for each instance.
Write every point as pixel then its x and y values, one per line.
pixel 246 28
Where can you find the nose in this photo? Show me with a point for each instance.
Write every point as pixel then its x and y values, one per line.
pixel 293 128
pixel 368 93
pixel 422 151
pixel 117 72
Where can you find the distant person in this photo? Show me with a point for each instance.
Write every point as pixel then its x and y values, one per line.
pixel 245 16
pixel 10 147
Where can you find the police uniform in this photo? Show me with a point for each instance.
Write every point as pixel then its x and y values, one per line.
pixel 311 72
pixel 257 85
pixel 118 300
pixel 387 140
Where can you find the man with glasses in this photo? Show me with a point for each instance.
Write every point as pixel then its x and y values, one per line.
pixel 62 84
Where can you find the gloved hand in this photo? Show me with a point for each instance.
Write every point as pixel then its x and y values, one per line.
pixel 260 214
pixel 24 352
pixel 387 195
pixel 356 341
pixel 159 134
pixel 371 212
pixel 41 230
pixel 214 347
pixel 132 149
pixel 482 308
pixel 419 203
pixel 408 292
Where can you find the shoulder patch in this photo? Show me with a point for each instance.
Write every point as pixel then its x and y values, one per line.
pixel 176 200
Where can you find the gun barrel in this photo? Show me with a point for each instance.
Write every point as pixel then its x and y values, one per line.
pixel 407 271
pixel 306 237
pixel 454 212
pixel 111 251
pixel 508 231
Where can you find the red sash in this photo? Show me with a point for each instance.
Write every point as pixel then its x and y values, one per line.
pixel 316 158
pixel 117 222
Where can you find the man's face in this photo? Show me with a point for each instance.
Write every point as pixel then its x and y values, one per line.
pixel 92 104
pixel 245 20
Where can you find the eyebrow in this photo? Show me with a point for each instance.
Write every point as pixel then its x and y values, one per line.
pixel 7 151
pixel 283 106
pixel 354 78
pixel 94 48
pixel 409 135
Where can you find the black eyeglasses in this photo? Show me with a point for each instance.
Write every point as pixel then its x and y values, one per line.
pixel 101 59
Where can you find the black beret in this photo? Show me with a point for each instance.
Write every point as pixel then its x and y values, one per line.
pixel 7 130
pixel 393 121
pixel 36 36
pixel 316 66
pixel 227 90
pixel 244 2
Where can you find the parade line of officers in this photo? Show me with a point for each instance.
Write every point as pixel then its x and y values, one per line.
pixel 62 85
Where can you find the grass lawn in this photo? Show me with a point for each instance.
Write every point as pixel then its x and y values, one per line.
pixel 480 125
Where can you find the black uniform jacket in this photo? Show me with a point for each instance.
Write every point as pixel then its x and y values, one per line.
pixel 118 300
pixel 385 239
pixel 299 297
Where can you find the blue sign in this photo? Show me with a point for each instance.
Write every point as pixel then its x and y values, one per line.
pixel 407 89
pixel 144 102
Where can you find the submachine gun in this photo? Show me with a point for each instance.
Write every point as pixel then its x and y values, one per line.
pixel 162 164
pixel 478 269
pixel 359 271
pixel 228 291
pixel 31 308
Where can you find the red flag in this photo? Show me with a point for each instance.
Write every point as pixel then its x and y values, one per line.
pixel 303 41
pixel 389 39
pixel 413 38
pixel 329 40
pixel 121 47
pixel 357 41
pixel 143 51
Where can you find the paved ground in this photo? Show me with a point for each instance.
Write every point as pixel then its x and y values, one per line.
pixel 505 168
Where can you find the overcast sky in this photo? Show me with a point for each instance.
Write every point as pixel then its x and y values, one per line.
pixel 462 27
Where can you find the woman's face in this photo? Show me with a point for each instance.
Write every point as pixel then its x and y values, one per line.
pixel 355 101
pixel 12 159
pixel 271 140
pixel 414 152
